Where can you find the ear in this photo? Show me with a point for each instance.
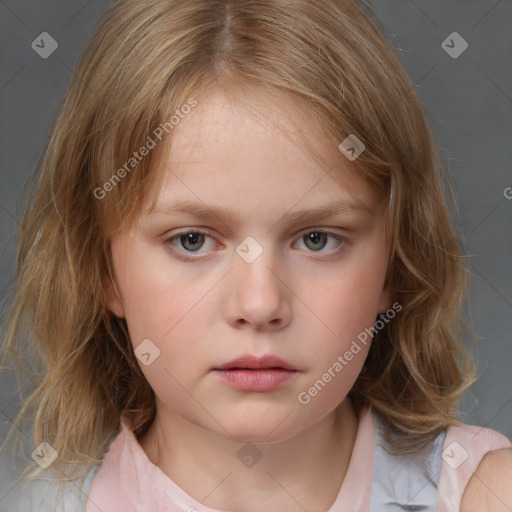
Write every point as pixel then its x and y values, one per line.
pixel 114 303
pixel 384 300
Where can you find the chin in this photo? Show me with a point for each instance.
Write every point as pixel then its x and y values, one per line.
pixel 258 427
pixel 253 435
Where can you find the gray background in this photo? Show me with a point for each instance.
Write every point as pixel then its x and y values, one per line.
pixel 468 101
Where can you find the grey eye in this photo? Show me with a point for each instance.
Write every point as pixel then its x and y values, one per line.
pixel 318 240
pixel 192 241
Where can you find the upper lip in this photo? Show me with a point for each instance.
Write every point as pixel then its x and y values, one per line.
pixel 255 363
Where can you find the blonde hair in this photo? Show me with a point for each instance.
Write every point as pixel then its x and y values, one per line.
pixel 148 59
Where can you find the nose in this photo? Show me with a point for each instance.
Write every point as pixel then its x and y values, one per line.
pixel 259 295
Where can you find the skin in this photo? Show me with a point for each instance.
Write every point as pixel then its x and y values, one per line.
pixel 489 488
pixel 302 302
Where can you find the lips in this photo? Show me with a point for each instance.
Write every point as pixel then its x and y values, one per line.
pixel 249 362
pixel 256 374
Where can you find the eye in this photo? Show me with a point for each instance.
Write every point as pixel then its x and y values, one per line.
pixel 192 241
pixel 317 239
pixel 189 241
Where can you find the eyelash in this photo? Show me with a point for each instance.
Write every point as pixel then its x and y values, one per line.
pixel 189 254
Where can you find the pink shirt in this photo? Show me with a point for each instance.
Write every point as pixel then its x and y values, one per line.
pixel 128 482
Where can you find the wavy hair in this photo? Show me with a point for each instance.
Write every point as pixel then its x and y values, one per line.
pixel 145 61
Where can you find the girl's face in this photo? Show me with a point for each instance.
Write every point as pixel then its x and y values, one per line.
pixel 247 275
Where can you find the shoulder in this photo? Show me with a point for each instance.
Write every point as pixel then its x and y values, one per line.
pixel 489 488
pixel 471 460
pixel 118 477
pixel 45 494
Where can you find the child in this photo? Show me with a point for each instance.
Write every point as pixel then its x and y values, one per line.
pixel 241 274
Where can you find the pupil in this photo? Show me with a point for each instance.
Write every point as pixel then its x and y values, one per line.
pixel 315 238
pixel 191 238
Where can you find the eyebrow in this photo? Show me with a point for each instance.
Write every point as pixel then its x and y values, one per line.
pixel 226 215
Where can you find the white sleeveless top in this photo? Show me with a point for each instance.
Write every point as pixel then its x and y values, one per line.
pixel 376 481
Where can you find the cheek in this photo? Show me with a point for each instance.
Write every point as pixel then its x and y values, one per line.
pixel 347 303
pixel 167 307
pixel 332 381
pixel 157 296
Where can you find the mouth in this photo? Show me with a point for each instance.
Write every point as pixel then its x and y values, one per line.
pixel 255 374
pixel 250 362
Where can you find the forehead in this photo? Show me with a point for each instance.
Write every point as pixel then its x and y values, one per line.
pixel 259 150
pixel 223 121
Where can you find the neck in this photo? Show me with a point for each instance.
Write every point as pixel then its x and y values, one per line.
pixel 302 472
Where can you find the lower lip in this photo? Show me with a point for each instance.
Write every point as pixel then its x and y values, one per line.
pixel 255 380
